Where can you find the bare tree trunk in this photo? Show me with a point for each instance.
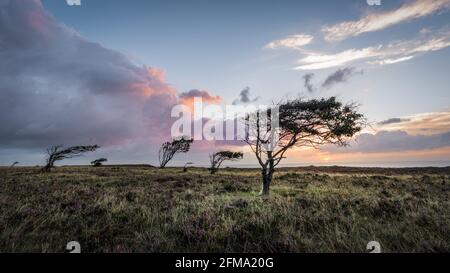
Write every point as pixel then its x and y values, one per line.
pixel 46 168
pixel 265 182
pixel 267 175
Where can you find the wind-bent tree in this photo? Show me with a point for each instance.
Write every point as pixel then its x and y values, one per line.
pixel 14 164
pixel 57 153
pixel 185 168
pixel 300 124
pixel 169 149
pixel 98 162
pixel 218 158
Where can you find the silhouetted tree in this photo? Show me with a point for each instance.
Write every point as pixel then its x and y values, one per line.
pixel 14 164
pixel 185 168
pixel 218 158
pixel 98 162
pixel 300 124
pixel 56 153
pixel 170 149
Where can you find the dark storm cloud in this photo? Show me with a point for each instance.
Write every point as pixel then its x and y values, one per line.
pixel 339 76
pixel 392 121
pixel 58 88
pixel 307 82
pixel 244 97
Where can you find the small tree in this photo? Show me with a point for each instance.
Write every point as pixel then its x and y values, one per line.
pixel 98 162
pixel 218 158
pixel 56 153
pixel 185 168
pixel 170 149
pixel 300 124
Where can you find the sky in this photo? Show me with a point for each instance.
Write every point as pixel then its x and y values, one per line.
pixel 108 72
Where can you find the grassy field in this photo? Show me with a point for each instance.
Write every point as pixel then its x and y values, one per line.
pixel 143 209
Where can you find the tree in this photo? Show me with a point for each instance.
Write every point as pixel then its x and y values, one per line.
pixel 218 158
pixel 300 124
pixel 169 149
pixel 57 153
pixel 98 162
pixel 185 168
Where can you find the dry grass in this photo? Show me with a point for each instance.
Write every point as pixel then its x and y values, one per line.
pixel 143 209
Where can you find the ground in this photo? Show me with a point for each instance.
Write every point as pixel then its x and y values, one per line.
pixel 145 209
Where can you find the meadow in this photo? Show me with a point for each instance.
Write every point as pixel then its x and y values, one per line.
pixel 146 209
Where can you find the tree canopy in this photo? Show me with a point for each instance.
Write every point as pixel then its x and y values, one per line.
pixel 310 123
pixel 169 149
pixel 218 158
pixel 98 162
pixel 57 153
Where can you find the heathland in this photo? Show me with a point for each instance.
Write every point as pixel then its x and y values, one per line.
pixel 146 209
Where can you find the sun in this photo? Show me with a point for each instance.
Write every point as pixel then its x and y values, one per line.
pixel 326 158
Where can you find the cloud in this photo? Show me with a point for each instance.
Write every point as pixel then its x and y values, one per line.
pixel 341 75
pixel 59 88
pixel 424 131
pixel 419 124
pixel 381 20
pixel 291 42
pixel 392 121
pixel 307 78
pixel 320 61
pixel 244 97
pixel 413 158
pixel 392 61
pixel 394 52
pixel 390 141
pixel 188 97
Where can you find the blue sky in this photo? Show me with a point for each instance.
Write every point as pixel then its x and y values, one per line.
pixel 392 59
pixel 218 46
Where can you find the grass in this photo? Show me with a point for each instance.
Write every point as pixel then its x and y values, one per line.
pixel 143 209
